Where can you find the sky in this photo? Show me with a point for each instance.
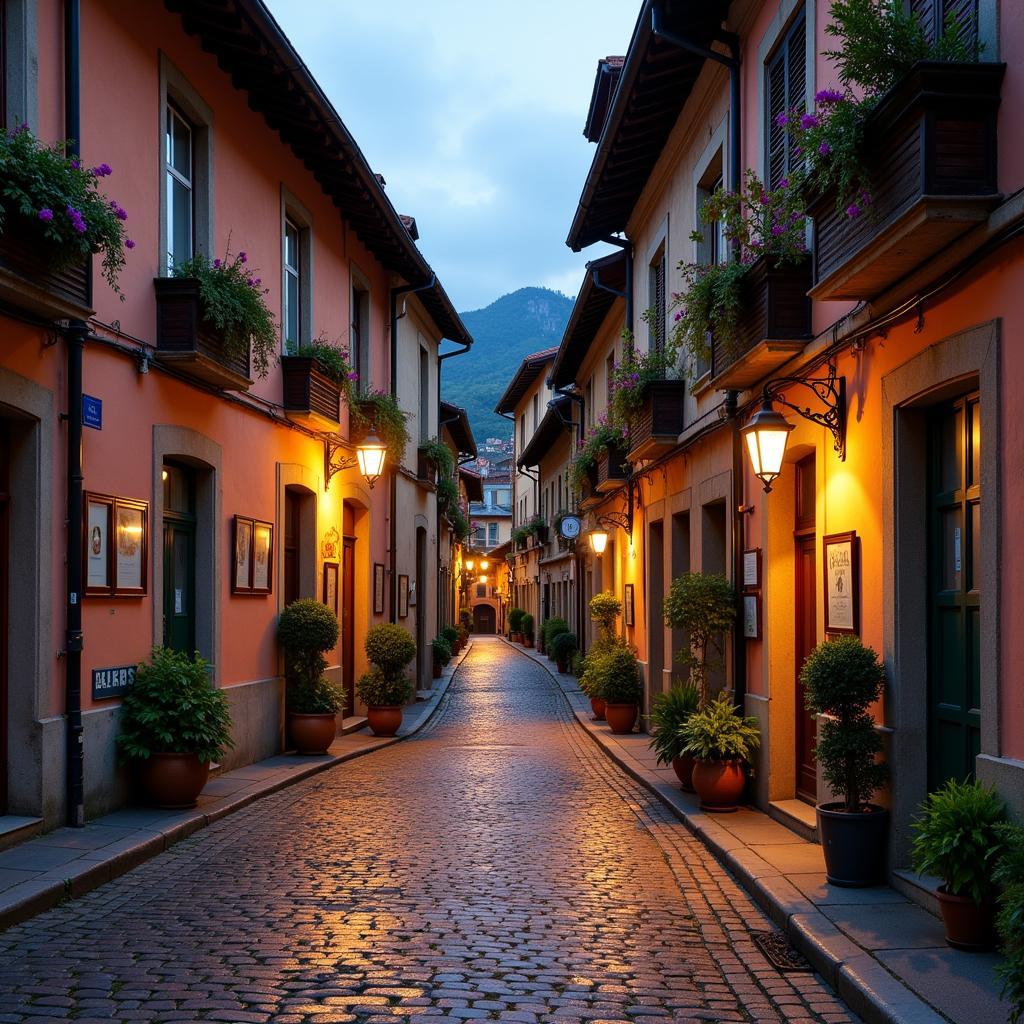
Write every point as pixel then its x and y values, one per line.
pixel 473 112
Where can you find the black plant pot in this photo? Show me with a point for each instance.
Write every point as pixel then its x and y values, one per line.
pixel 853 844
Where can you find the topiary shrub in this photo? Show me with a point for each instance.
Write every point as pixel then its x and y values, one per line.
pixel 551 628
pixel 842 679
pixel 605 609
pixel 451 634
pixel 527 626
pixel 390 648
pixel 376 690
pixel 515 620
pixel 174 709
pixel 305 630
pixel 440 651
pixel 705 606
pixel 563 647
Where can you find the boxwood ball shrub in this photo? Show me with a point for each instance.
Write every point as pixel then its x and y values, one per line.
pixel 563 647
pixel 604 609
pixel 614 676
pixel 174 709
pixel 305 630
pixel 440 650
pixel 551 628
pixel 390 648
pixel 515 620
pixel 842 679
pixel 451 634
pixel 376 690
pixel 527 626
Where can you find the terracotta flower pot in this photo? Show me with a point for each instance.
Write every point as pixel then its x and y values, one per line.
pixel 853 844
pixel 528 642
pixel 621 717
pixel 597 706
pixel 719 784
pixel 384 721
pixel 563 666
pixel 969 925
pixel 683 767
pixel 174 781
pixel 312 734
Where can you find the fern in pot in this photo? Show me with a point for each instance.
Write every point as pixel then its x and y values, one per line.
pixel 173 723
pixel 385 688
pixel 669 713
pixel 720 740
pixel 842 679
pixel 958 837
pixel 306 630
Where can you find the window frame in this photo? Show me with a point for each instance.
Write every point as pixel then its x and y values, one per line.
pixel 291 271
pixel 19 63
pixel 359 325
pixel 296 215
pixel 172 111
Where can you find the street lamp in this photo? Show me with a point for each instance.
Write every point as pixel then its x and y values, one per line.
pixel 482 578
pixel 469 564
pixel 598 541
pixel 371 453
pixel 484 564
pixel 766 435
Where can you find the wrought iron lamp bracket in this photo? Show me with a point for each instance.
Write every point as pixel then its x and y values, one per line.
pixel 623 520
pixel 830 391
pixel 338 456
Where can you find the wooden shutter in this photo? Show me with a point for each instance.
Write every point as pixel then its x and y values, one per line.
pixel 786 89
pixel 934 14
pixel 657 324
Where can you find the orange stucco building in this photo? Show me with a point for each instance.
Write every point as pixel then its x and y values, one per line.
pixel 219 139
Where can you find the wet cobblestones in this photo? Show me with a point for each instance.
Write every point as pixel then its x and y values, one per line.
pixel 496 867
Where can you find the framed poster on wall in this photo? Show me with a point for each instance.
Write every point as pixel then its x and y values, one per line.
pixel 331 586
pixel 751 616
pixel 842 583
pixel 116 546
pixel 99 515
pixel 132 540
pixel 403 596
pixel 262 557
pixel 378 588
pixel 627 604
pixel 241 569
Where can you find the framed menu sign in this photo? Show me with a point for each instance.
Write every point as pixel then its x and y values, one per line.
pixel 842 583
pixel 116 546
pixel 99 514
pixel 262 557
pixel 132 541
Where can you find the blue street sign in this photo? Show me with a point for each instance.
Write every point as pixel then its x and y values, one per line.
pixel 92 412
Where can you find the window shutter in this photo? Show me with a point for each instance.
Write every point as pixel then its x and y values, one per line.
pixel 786 87
pixel 659 303
pixel 777 139
pixel 933 16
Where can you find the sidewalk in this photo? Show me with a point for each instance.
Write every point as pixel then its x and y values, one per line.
pixel 883 954
pixel 68 862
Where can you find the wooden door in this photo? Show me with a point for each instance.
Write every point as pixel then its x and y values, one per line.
pixel 348 597
pixel 179 559
pixel 806 620
pixel 291 545
pixel 954 598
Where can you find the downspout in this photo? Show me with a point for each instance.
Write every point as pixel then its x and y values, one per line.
pixel 393 485
pixel 74 337
pixel 739 512
pixel 627 245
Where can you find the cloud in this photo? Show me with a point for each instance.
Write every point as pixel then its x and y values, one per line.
pixel 474 116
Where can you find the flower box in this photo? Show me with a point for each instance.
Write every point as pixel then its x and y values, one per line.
pixel 930 149
pixel 189 342
pixel 29 280
pixel 659 422
pixel 612 469
pixel 310 396
pixel 540 534
pixel 425 468
pixel 776 324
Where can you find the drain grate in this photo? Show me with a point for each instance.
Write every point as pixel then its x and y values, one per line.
pixel 780 953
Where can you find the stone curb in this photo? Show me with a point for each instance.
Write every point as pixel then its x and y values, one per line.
pixel 867 987
pixel 78 877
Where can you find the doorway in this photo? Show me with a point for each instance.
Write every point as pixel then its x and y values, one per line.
pixel 483 619
pixel 806 621
pixel 292 590
pixel 179 563
pixel 954 598
pixel 348 603
pixel 5 462
pixel 655 612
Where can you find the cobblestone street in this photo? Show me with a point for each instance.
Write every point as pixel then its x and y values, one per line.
pixel 496 866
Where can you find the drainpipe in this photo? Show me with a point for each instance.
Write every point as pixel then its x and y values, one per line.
pixel 393 483
pixel 627 245
pixel 730 61
pixel 74 336
pixel 739 512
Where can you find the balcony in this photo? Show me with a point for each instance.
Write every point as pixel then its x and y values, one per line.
pixel 190 343
pixel 589 496
pixel 310 396
pixel 658 424
pixel 612 469
pixel 930 147
pixel 776 324
pixel 29 279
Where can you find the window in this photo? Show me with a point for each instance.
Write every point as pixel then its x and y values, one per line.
pixel 713 248
pixel 424 395
pixel 609 368
pixel 933 16
pixel 656 302
pixel 480 535
pixel 359 342
pixel 179 165
pixel 492 534
pixel 481 590
pixel 292 289
pixel 785 88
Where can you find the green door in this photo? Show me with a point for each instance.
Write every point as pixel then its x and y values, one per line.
pixel 179 560
pixel 954 541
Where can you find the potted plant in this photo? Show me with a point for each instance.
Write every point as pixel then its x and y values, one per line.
pixel 1010 921
pixel 605 608
pixel 174 723
pixel 306 630
pixel 551 628
pixel 588 684
pixel 957 836
pixel 450 635
pixel 515 625
pixel 527 627
pixel 463 637
pixel 316 375
pixel 520 537
pixel 704 605
pixel 436 462
pixel 605 442
pixel 379 412
pixel 669 714
pixel 385 689
pixel 720 740
pixel 441 655
pixel 615 677
pixel 563 647
pixel 842 679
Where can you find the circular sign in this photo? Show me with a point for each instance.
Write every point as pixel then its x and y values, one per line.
pixel 569 527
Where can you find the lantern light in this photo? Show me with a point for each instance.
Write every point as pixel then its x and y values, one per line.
pixel 598 541
pixel 482 578
pixel 484 564
pixel 766 435
pixel 469 564
pixel 371 453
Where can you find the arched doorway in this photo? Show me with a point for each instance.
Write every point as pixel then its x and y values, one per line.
pixel 483 619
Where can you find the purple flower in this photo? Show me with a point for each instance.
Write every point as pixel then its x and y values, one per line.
pixel 129 244
pixel 119 211
pixel 216 264
pixel 828 96
pixel 678 317
pixel 765 199
pixel 353 375
pixel 45 214
pixel 824 149
pixel 777 229
pixel 808 121
pixel 242 258
pixel 102 170
pixel 23 127
pixel 782 120
pixel 76 164
pixel 797 150
pixel 77 222
pixel 259 280
pixel 853 211
pixel 783 183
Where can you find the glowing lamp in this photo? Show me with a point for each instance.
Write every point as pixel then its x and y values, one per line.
pixel 598 541
pixel 482 578
pixel 484 564
pixel 371 453
pixel 469 564
pixel 766 435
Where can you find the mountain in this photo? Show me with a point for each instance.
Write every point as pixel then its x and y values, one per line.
pixel 504 332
